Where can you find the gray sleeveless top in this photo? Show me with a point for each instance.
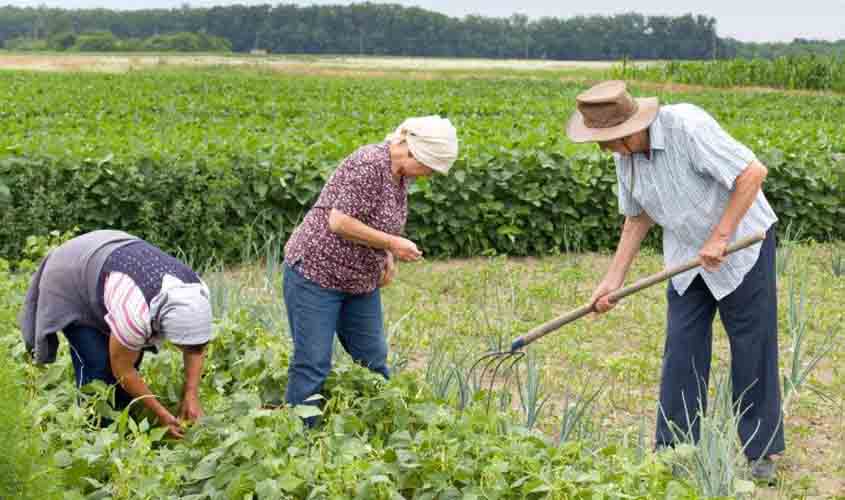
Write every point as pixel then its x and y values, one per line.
pixel 64 290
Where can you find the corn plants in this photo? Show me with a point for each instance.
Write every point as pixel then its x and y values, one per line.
pixel 790 72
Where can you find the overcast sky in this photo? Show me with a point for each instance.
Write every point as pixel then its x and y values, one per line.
pixel 748 20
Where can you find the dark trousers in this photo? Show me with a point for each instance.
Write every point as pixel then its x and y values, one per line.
pixel 749 315
pixel 89 351
pixel 315 314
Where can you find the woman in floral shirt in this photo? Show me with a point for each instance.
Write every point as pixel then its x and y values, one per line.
pixel 344 251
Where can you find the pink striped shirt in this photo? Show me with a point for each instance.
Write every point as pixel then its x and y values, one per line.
pixel 128 313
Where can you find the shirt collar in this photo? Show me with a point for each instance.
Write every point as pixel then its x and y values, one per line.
pixel 403 181
pixel 656 134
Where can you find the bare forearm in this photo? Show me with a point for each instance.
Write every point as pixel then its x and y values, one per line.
pixel 193 373
pixel 353 229
pixel 633 233
pixel 132 382
pixel 746 188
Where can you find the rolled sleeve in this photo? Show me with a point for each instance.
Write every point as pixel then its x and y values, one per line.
pixel 351 189
pixel 128 314
pixel 713 152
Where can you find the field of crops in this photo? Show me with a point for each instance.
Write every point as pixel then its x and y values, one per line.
pixel 809 72
pixel 204 160
pixel 219 164
pixel 405 439
pixel 577 425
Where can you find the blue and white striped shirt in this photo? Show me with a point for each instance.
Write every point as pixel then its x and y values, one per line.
pixel 685 186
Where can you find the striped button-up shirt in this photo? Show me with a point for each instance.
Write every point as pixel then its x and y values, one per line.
pixel 684 186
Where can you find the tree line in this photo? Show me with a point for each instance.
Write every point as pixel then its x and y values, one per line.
pixel 105 41
pixel 379 29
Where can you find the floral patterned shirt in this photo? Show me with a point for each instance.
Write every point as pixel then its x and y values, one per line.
pixel 362 187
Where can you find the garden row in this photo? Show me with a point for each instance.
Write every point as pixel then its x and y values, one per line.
pixel 204 161
pixel 379 440
pixel 810 72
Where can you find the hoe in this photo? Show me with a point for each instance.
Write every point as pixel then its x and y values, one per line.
pixel 503 363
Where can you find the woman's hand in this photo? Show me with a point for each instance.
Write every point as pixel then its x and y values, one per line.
pixel 122 362
pixel 174 426
pixel 404 249
pixel 389 271
pixel 356 231
pixel 191 409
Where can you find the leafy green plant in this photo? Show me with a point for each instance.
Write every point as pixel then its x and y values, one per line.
pixel 786 244
pixel 837 261
pixel 799 316
pixel 400 351
pixel 715 462
pixel 204 161
pixel 577 421
pixel 807 71
pixel 22 464
pixel 530 389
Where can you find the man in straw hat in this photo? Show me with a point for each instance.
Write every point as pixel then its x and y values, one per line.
pixel 678 168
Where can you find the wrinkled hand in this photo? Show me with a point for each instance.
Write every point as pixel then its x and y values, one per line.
pixel 712 254
pixel 389 271
pixel 599 299
pixel 404 249
pixel 174 426
pixel 191 409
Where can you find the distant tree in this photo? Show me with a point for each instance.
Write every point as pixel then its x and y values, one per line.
pixel 61 41
pixel 100 41
pixel 387 29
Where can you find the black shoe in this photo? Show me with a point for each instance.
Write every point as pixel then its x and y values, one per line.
pixel 763 470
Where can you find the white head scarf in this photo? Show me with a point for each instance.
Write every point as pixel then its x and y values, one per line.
pixel 182 311
pixel 432 140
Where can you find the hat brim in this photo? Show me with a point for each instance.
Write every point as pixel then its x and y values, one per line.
pixel 647 108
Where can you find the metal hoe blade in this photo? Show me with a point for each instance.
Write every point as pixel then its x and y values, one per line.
pixel 495 364
pixel 504 363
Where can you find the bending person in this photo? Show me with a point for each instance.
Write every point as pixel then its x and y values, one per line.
pixel 678 168
pixel 114 296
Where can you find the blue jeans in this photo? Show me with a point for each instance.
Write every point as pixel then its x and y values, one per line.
pixel 315 314
pixel 749 315
pixel 89 351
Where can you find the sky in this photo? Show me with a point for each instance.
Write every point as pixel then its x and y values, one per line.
pixel 748 20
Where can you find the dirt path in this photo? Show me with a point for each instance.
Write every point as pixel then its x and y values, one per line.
pixel 421 68
pixel 126 62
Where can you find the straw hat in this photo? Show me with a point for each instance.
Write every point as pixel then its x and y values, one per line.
pixel 607 111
